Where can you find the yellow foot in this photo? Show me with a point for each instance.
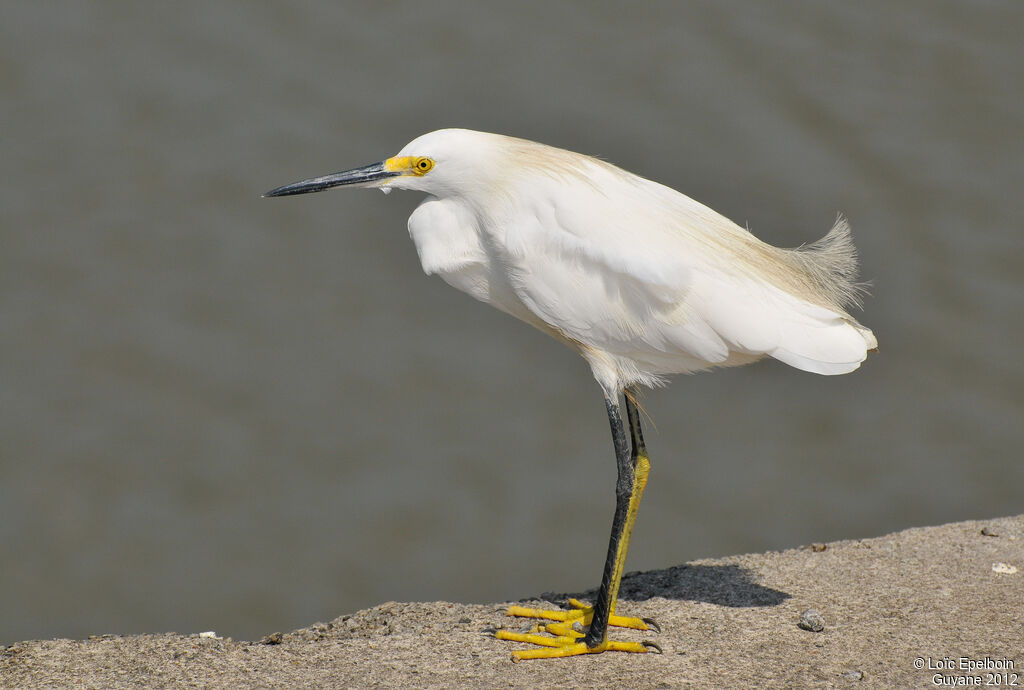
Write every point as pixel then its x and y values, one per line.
pixel 564 636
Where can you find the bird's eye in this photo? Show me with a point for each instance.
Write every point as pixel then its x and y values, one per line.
pixel 422 166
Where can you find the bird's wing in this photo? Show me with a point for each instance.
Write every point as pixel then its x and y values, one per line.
pixel 756 318
pixel 620 294
pixel 619 277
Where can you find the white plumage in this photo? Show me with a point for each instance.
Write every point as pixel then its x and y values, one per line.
pixel 640 279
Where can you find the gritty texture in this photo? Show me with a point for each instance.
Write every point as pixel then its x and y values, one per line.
pixel 927 593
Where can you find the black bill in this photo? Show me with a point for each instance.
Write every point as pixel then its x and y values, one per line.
pixel 364 175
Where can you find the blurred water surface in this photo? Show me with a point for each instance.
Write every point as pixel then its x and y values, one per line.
pixel 224 412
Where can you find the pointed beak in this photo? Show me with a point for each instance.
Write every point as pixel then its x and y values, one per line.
pixel 357 177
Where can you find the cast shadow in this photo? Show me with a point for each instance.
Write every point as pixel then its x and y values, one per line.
pixel 723 585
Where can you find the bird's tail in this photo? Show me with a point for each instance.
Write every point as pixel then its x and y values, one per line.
pixel 803 321
pixel 829 266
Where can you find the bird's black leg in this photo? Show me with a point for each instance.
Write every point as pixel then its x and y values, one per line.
pixel 562 638
pixel 637 434
pixel 633 467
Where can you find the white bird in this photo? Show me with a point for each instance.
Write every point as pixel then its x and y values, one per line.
pixel 641 280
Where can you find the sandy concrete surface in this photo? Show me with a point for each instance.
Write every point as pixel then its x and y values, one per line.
pixel 922 597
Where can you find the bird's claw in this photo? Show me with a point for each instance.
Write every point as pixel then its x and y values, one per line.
pixel 652 624
pixel 652 647
pixel 564 635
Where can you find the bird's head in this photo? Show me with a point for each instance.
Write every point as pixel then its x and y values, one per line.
pixel 448 161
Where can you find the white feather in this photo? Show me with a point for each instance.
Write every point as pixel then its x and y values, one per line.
pixel 643 281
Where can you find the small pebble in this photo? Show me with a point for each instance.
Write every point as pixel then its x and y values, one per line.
pixel 854 675
pixel 273 638
pixel 811 620
pixel 1004 568
pixel 987 532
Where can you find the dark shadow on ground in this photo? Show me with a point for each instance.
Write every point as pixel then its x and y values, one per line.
pixel 724 585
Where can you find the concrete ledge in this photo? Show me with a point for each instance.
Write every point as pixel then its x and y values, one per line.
pixel 925 596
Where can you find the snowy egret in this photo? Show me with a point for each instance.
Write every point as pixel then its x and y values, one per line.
pixel 642 281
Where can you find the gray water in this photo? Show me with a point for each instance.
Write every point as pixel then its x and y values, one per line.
pixel 225 412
